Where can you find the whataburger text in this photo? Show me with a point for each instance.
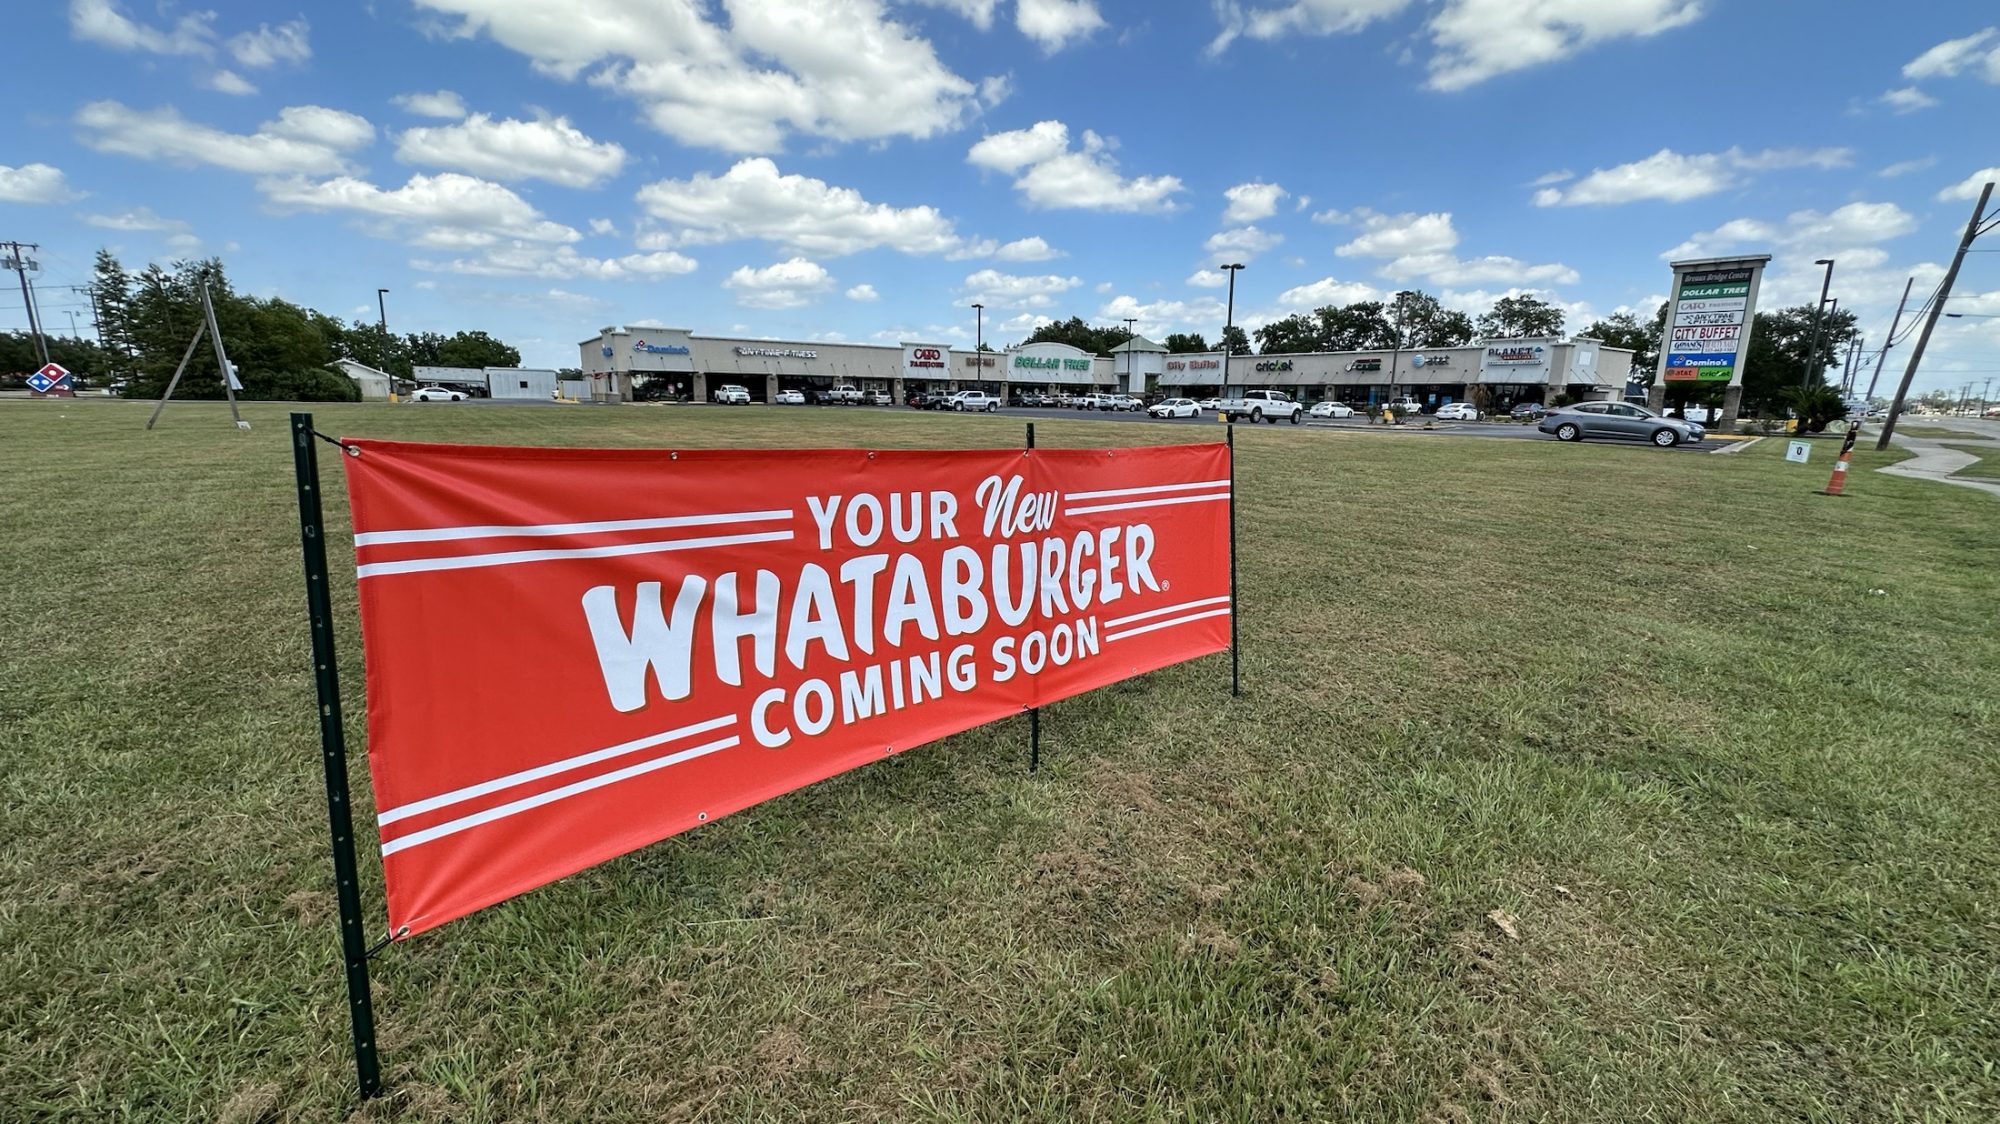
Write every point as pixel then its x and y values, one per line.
pixel 637 642
pixel 885 596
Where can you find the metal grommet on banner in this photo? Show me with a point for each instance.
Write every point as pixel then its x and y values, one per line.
pixel 673 456
pixel 871 454
pixel 701 817
pixel 354 451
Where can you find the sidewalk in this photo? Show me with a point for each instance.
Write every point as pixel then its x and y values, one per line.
pixel 1933 461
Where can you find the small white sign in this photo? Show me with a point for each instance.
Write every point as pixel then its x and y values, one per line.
pixel 1798 452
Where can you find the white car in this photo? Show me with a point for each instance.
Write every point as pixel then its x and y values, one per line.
pixel 880 398
pixel 732 396
pixel 1330 410
pixel 1123 402
pixel 974 401
pixel 1174 408
pixel 1457 411
pixel 790 398
pixel 437 394
pixel 1210 403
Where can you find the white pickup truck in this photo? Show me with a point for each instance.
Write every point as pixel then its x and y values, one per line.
pixel 1262 405
pixel 974 400
pixel 842 395
pixel 732 396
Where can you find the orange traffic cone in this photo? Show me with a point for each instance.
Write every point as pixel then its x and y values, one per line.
pixel 1838 484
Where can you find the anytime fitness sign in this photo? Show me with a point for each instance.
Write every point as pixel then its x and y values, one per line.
pixel 647 641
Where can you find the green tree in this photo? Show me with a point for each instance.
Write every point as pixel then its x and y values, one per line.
pixel 1624 330
pixel 1234 339
pixel 111 297
pixel 1422 321
pixel 1524 315
pixel 1076 333
pixel 1182 343
pixel 1292 334
pixel 1361 326
pixel 476 349
pixel 1779 358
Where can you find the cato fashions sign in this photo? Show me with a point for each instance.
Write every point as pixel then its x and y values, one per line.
pixel 645 641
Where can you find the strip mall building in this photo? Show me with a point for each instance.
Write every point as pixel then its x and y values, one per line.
pixel 1504 372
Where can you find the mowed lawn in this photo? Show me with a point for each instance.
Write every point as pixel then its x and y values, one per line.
pixel 1723 751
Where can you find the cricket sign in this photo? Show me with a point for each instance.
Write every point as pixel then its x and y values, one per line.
pixel 643 641
pixel 1708 324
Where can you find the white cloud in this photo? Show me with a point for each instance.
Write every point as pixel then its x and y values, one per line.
pixel 787 284
pixel 1550 178
pixel 1207 279
pixel 443 104
pixel 995 89
pixel 1909 99
pixel 136 219
pixel 1447 269
pixel 1395 236
pixel 105 23
pixel 33 183
pixel 304 139
pixel 1008 290
pixel 603 226
pixel 550 149
pixel 1479 39
pixel 1241 244
pixel 1969 187
pixel 1803 233
pixel 562 263
pixel 1051 175
pixel 840 69
pixel 1301 17
pixel 752 200
pixel 980 12
pixel 863 292
pixel 1250 202
pixel 448 210
pixel 229 82
pixel 1327 291
pixel 1905 167
pixel 1472 40
pixel 1949 58
pixel 268 46
pixel 1055 24
pixel 1157 319
pixel 1032 248
pixel 1676 177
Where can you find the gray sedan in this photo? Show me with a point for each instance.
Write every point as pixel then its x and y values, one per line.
pixel 1619 419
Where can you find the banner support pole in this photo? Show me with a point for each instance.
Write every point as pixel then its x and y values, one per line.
pixel 1034 712
pixel 333 754
pixel 1235 668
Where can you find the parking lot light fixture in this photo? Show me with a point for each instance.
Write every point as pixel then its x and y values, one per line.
pixel 1229 326
pixel 1813 365
pixel 979 341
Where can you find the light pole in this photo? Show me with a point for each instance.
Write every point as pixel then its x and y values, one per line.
pixel 979 342
pixel 1129 321
pixel 382 325
pixel 1228 327
pixel 1395 349
pixel 1819 315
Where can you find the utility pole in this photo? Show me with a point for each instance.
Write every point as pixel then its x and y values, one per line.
pixel 1889 341
pixel 21 264
pixel 1819 317
pixel 1972 231
pixel 96 321
pixel 1230 317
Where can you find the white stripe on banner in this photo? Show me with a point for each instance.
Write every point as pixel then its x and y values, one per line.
pixel 1182 607
pixel 1067 496
pixel 539 530
pixel 1145 628
pixel 459 796
pixel 464 823
pixel 516 557
pixel 1164 502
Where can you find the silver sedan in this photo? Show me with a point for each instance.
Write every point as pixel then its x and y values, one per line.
pixel 1619 419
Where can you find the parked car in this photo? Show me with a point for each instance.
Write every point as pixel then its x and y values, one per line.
pixel 1262 405
pixel 1330 410
pixel 1089 401
pixel 1457 411
pixel 1619 419
pixel 1174 408
pixel 841 395
pixel 930 400
pixel 437 394
pixel 880 398
pixel 974 401
pixel 1123 402
pixel 790 398
pixel 732 396
pixel 1405 407
pixel 1528 410
pixel 1210 404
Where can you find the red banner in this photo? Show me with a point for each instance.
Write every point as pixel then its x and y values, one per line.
pixel 574 653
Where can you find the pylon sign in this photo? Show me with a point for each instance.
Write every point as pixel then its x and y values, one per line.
pixel 53 378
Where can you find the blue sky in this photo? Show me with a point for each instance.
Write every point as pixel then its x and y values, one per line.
pixel 860 170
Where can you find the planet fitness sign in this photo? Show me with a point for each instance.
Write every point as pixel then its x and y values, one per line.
pixel 648 641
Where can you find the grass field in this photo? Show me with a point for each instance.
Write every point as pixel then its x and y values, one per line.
pixel 1722 747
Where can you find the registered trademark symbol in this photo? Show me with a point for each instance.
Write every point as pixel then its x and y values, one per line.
pixel 1167 585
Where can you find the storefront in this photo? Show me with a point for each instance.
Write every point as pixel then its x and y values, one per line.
pixel 1053 368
